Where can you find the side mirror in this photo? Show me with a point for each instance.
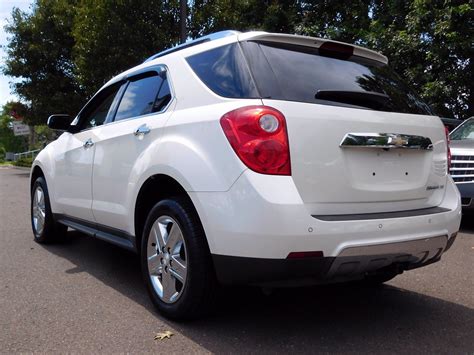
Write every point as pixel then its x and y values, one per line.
pixel 59 122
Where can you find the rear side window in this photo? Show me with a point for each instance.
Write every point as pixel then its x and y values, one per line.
pixel 224 71
pixel 298 73
pixel 164 96
pixel 139 97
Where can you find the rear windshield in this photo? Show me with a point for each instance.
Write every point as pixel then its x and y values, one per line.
pixel 282 71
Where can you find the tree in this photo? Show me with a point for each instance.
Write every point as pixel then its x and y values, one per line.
pixel 112 36
pixel 64 50
pixel 209 16
pixel 39 55
pixel 8 140
pixel 429 42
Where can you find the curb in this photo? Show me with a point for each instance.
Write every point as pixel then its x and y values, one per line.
pixel 21 168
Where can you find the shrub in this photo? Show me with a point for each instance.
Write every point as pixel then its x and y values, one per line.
pixel 2 154
pixel 24 161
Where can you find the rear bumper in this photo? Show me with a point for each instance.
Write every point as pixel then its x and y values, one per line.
pixel 262 219
pixel 351 264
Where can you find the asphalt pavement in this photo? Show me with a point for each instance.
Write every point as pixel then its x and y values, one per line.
pixel 84 295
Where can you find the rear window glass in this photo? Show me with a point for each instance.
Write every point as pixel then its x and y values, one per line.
pixel 299 73
pixel 224 71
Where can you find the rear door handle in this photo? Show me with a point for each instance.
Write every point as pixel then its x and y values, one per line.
pixel 142 130
pixel 88 143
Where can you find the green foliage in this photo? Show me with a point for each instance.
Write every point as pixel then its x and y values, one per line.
pixel 2 154
pixel 428 42
pixel 112 36
pixel 8 141
pixel 39 54
pixel 63 50
pixel 43 136
pixel 24 162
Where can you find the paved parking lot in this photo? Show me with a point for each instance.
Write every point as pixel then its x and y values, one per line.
pixel 84 295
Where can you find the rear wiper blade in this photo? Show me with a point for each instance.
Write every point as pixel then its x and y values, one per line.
pixel 369 99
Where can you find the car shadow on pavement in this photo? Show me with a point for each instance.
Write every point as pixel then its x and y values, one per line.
pixel 338 318
pixel 467 222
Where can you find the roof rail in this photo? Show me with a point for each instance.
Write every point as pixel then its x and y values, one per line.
pixel 194 42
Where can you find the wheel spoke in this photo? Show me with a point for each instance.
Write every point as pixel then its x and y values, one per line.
pixel 39 196
pixel 154 265
pixel 41 216
pixel 173 238
pixel 169 287
pixel 157 233
pixel 178 268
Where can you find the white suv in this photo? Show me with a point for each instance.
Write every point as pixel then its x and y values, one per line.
pixel 252 158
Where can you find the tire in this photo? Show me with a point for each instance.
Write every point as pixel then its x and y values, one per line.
pixel 176 262
pixel 45 229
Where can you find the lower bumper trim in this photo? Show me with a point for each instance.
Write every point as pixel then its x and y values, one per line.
pixel 351 264
pixel 382 215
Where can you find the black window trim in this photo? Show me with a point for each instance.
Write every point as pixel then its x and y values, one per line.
pixel 136 75
pixel 124 81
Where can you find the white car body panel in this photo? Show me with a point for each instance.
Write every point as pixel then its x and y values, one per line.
pixel 72 167
pixel 333 180
pixel 265 217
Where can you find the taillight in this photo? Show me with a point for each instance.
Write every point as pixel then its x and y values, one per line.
pixel 258 136
pixel 448 150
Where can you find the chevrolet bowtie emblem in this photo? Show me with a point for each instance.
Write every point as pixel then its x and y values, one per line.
pixel 397 141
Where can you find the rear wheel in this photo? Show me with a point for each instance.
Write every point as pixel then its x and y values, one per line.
pixel 176 262
pixel 45 229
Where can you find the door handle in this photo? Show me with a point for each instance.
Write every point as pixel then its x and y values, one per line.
pixel 88 143
pixel 142 130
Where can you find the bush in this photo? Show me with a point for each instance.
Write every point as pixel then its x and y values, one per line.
pixel 24 161
pixel 2 154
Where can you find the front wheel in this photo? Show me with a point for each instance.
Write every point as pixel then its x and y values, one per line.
pixel 45 229
pixel 176 262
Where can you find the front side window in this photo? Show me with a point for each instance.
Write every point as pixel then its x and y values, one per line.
pixel 139 97
pixel 100 107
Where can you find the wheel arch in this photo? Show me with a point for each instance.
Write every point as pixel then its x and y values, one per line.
pixel 36 172
pixel 154 189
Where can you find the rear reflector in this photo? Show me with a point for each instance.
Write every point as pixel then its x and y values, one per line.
pixel 305 254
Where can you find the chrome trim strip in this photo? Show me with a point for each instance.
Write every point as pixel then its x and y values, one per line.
pixel 411 247
pixel 386 141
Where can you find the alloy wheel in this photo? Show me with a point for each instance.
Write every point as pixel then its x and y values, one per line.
pixel 38 210
pixel 167 259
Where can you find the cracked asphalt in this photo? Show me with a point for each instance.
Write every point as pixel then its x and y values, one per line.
pixel 84 296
